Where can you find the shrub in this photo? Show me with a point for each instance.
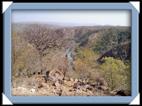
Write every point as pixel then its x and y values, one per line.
pixel 79 65
pixel 25 58
pixel 85 64
pixel 116 73
pixel 87 56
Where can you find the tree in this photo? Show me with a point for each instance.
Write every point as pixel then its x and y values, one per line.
pixel 116 73
pixel 25 58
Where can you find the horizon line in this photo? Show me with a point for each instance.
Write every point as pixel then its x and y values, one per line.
pixel 66 24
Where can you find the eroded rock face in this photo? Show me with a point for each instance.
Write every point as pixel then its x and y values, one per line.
pixel 121 51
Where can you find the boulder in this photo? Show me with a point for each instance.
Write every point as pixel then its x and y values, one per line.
pixel 56 75
pixel 68 91
pixel 68 83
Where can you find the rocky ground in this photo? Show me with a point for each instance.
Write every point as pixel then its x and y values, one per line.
pixel 37 86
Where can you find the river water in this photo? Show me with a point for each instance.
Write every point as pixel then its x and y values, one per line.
pixel 69 56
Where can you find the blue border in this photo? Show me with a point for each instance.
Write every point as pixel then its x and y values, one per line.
pixel 71 99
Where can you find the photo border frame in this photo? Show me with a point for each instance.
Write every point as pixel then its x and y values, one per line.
pixel 71 99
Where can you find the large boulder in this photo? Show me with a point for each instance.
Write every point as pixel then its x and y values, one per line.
pixel 56 75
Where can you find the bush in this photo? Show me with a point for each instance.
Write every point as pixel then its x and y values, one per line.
pixel 116 73
pixel 87 56
pixel 85 64
pixel 25 58
pixel 79 65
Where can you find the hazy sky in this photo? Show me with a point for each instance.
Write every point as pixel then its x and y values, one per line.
pixel 74 17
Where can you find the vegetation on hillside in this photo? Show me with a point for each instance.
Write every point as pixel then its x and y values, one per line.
pixel 117 73
pixel 25 57
pixel 97 54
pixel 110 38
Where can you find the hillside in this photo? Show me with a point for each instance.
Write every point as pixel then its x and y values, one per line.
pixel 58 54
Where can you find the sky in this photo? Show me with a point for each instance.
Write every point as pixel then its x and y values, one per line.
pixel 74 17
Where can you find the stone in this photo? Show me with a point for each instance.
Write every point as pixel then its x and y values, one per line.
pixel 80 80
pixel 57 84
pixel 56 75
pixel 33 90
pixel 68 83
pixel 71 79
pixel 76 80
pixel 67 91
pixel 104 88
pixel 84 81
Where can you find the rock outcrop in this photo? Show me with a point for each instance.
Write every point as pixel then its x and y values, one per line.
pixel 60 86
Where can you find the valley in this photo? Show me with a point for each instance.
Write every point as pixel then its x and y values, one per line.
pixel 70 61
